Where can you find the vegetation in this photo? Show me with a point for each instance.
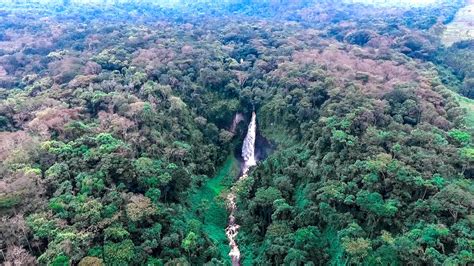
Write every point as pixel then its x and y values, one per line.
pixel 116 145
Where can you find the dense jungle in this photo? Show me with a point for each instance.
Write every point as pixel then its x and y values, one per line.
pixel 127 134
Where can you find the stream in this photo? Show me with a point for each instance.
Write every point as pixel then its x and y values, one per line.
pixel 248 155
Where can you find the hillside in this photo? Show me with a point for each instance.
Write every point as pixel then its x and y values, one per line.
pixel 462 27
pixel 122 129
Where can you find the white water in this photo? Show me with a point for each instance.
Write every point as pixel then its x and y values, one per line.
pixel 248 148
pixel 248 154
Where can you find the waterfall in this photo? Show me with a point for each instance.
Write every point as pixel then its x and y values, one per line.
pixel 248 148
pixel 248 154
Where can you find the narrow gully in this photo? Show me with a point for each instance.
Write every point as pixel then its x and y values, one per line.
pixel 248 155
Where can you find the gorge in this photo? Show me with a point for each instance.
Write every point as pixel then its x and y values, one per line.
pixel 248 155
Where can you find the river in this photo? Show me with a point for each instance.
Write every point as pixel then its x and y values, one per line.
pixel 248 155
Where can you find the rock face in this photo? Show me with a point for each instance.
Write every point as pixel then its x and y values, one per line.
pixel 462 27
pixel 235 122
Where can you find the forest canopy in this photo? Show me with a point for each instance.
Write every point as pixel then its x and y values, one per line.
pixel 118 147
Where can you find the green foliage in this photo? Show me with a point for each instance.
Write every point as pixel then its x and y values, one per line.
pixel 121 253
pixel 114 128
pixel 95 252
pixel 357 248
pixel 214 215
pixel 112 59
pixel 61 260
pixel 154 194
pixel 266 197
pixel 154 262
pixel 41 225
pixel 432 233
pixel 460 136
pixel 55 253
pixel 108 143
pixel 189 242
pixel 57 147
pixel 115 234
pixel 438 181
pixel 373 202
pixel 468 153
pixel 9 201
pixel 468 106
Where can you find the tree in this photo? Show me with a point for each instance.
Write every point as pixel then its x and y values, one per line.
pixel 91 261
pixel 121 253
pixel 374 202
pixel 202 209
pixel 357 249
pixel 18 256
pixel 189 243
pixel 139 208
pixel 454 199
pixel 264 199
pixel 459 136
pixel 360 37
